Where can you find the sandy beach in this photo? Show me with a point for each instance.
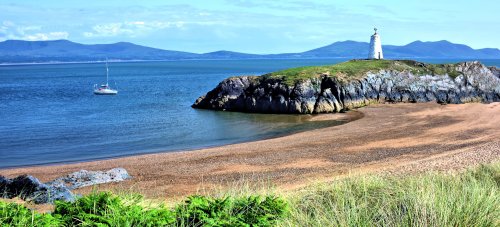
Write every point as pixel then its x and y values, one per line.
pixel 393 138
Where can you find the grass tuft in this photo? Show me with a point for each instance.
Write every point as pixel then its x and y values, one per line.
pixel 12 214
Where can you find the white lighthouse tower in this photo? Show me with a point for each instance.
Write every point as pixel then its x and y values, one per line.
pixel 375 47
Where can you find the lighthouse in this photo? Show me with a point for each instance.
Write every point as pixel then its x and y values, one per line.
pixel 375 47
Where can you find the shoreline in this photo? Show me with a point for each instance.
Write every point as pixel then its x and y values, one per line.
pixel 394 138
pixel 337 117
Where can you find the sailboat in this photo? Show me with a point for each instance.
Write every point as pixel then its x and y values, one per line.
pixel 105 89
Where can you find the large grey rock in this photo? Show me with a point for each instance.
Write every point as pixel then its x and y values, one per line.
pixel 57 191
pixel 29 188
pixel 474 83
pixel 229 93
pixel 26 187
pixel 85 178
pixel 5 187
pixel 495 71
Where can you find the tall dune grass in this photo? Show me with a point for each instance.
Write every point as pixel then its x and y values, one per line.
pixel 469 198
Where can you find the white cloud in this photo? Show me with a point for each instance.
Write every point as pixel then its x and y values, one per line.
pixel 153 25
pixel 6 26
pixel 136 28
pixel 46 36
pixel 113 29
pixel 26 29
pixel 137 22
pixel 11 30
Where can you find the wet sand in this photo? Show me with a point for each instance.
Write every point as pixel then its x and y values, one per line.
pixel 392 138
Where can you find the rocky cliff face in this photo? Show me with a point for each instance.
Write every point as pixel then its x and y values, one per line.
pixel 325 94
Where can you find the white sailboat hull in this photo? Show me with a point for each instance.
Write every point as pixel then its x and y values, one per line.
pixel 105 92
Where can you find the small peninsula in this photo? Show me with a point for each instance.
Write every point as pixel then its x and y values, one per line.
pixel 353 84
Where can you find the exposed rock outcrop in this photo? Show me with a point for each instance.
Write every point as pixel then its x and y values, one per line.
pixel 85 178
pixel 29 188
pixel 5 187
pixel 473 82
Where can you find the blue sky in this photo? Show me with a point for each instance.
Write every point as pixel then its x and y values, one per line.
pixel 257 26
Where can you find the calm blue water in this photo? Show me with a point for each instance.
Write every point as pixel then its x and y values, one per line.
pixel 48 113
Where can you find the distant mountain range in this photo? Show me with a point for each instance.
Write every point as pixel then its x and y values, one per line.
pixel 18 51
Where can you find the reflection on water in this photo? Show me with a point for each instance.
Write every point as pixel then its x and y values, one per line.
pixel 237 127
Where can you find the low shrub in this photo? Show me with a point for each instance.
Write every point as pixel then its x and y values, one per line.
pixel 12 214
pixel 106 209
pixel 246 211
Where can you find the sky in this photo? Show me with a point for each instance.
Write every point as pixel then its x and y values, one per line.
pixel 251 26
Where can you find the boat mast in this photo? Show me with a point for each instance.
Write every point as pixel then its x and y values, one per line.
pixel 107 73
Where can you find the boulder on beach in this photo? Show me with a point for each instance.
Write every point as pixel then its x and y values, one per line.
pixel 29 188
pixel 5 187
pixel 85 178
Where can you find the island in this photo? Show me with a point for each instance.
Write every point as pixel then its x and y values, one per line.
pixel 354 84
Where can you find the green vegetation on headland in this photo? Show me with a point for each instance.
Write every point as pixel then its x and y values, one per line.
pixel 470 198
pixel 356 69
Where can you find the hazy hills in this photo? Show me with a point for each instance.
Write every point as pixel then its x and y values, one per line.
pixel 417 49
pixel 18 51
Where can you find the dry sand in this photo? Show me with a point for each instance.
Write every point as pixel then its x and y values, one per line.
pixel 394 138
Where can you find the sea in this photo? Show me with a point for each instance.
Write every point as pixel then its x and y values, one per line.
pixel 49 115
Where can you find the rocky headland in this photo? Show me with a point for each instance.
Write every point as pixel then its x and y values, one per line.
pixel 353 84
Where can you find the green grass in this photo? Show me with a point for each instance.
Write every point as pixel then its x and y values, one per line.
pixel 470 198
pixel 356 69
pixel 466 199
pixel 12 214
